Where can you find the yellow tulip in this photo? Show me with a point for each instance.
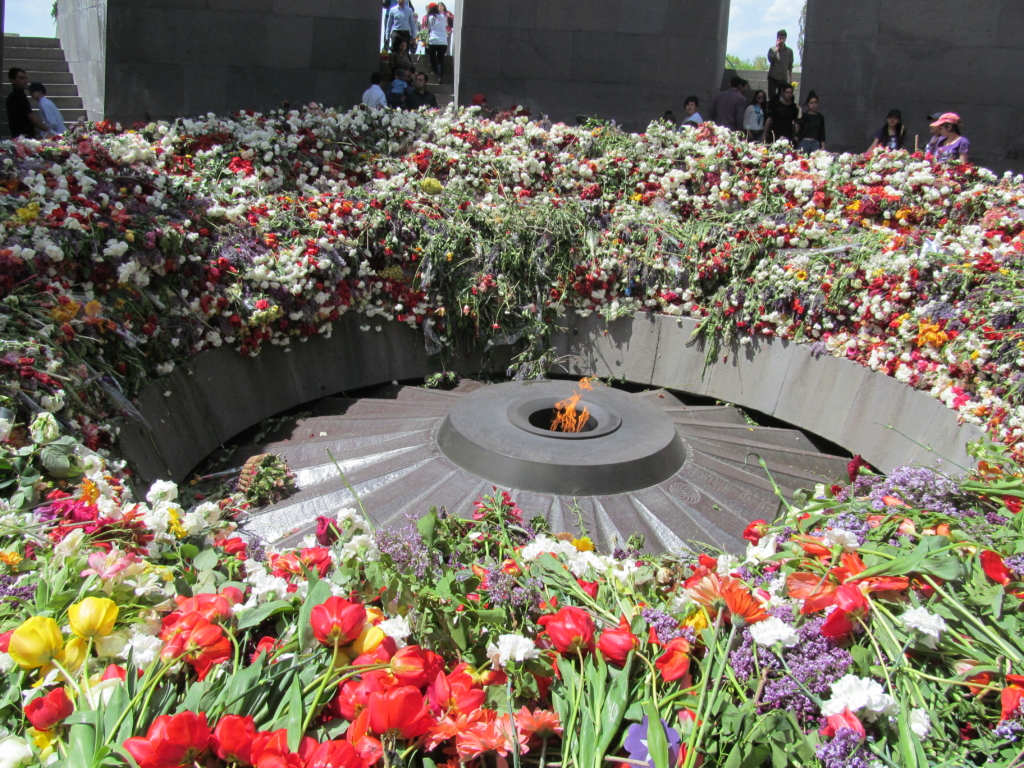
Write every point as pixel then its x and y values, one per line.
pixel 73 655
pixel 369 640
pixel 93 617
pixel 36 642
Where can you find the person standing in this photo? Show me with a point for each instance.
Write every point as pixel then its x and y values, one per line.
pixel 437 39
pixel 782 117
pixel 754 117
pixel 451 21
pixel 400 58
pixel 402 24
pixel 420 97
pixel 693 118
pixel 373 97
pixel 936 139
pixel 810 133
pixel 20 117
pixel 780 66
pixel 48 110
pixel 729 106
pixel 892 134
pixel 954 147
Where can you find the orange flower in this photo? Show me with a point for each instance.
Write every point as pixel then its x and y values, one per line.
pixel 743 607
pixel 542 723
pixel 674 663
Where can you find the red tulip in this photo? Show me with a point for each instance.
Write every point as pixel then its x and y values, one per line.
pixel 173 741
pixel 232 739
pixel 114 672
pixel 201 643
pixel 336 621
pixel 1011 696
pixel 994 567
pixel 213 608
pixel 235 546
pixel 47 711
pixel 755 530
pixel 415 666
pixel 616 644
pixel 400 709
pixel 367 746
pixel 589 587
pixel 271 751
pixel 845 719
pixel 570 630
pixel 335 754
pixel 674 663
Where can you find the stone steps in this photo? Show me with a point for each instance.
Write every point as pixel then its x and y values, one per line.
pixel 43 60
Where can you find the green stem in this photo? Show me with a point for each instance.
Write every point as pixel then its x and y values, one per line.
pixel 512 721
pixel 320 690
pixel 135 700
pixel 1009 651
pixel 67 676
pixel 700 727
pixel 691 741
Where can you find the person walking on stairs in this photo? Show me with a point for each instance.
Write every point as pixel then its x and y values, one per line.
pixel 437 39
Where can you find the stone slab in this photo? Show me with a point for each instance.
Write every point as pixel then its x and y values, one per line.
pixel 624 349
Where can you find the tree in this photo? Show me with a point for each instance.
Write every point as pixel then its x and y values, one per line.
pixel 803 30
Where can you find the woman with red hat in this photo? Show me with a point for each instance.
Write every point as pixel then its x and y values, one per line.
pixel 953 146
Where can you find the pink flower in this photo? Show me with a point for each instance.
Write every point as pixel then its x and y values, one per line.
pixel 107 565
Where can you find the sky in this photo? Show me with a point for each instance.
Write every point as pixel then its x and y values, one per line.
pixel 752 26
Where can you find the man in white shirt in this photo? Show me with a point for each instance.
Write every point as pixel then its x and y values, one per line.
pixel 47 110
pixel 373 97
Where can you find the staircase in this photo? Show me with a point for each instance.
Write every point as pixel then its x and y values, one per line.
pixel 386 446
pixel 445 93
pixel 42 58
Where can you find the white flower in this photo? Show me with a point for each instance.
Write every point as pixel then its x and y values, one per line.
pixel 920 723
pixel 859 693
pixel 6 663
pixel 145 648
pixel 774 630
pixel 512 648
pixel 162 490
pixel 114 644
pixel 5 428
pixel 848 539
pixel 397 628
pixel 69 545
pixel 543 544
pixel 14 752
pixel 763 550
pixel 928 624
pixel 44 429
pixel 54 403
pixel 361 545
pixel 194 523
pixel 726 564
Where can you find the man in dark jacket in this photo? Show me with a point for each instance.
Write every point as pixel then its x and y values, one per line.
pixel 780 66
pixel 729 106
pixel 22 120
pixel 420 96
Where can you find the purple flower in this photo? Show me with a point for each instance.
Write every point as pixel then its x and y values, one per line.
pixel 665 626
pixel 844 751
pixel 636 743
pixel 918 487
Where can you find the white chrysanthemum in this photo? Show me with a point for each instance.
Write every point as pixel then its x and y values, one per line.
pixel 930 625
pixel 859 694
pixel 162 490
pixel 774 630
pixel 396 628
pixel 920 723
pixel 511 648
pixel 145 648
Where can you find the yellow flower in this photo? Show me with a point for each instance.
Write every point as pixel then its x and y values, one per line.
pixel 174 525
pixel 93 617
pixel 930 333
pixel 28 214
pixel 368 641
pixel 36 642
pixel 64 312
pixel 583 545
pixel 43 740
pixel 431 186
pixel 448 256
pixel 801 275
pixel 10 559
pixel 698 620
pixel 129 236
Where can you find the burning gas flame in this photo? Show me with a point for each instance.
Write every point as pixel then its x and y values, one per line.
pixel 567 419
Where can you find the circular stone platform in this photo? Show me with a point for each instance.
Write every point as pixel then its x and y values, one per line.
pixel 502 434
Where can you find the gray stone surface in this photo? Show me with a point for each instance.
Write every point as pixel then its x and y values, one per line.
pixel 604 58
pixel 162 59
pixel 82 29
pixel 920 56
pixel 219 394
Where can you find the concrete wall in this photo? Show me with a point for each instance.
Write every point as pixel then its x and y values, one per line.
pixel 166 58
pixel 921 56
pixel 605 58
pixel 218 394
pixel 82 29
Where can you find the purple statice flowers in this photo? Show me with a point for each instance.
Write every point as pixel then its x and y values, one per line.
pixel 918 487
pixel 844 751
pixel 665 626
pixel 814 663
pixel 408 552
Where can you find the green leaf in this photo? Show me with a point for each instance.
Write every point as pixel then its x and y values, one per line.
pixel 256 616
pixel 426 527
pixel 55 461
pixel 657 742
pixel 188 551
pixel 295 716
pixel 318 592
pixel 82 743
pixel 206 560
pixel 615 704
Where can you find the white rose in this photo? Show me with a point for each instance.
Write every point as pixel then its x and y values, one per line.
pixel 44 429
pixel 162 490
pixel 14 752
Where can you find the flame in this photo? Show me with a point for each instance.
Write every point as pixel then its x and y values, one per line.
pixel 566 417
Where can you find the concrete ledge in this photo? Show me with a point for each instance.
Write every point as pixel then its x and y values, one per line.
pixel 218 394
